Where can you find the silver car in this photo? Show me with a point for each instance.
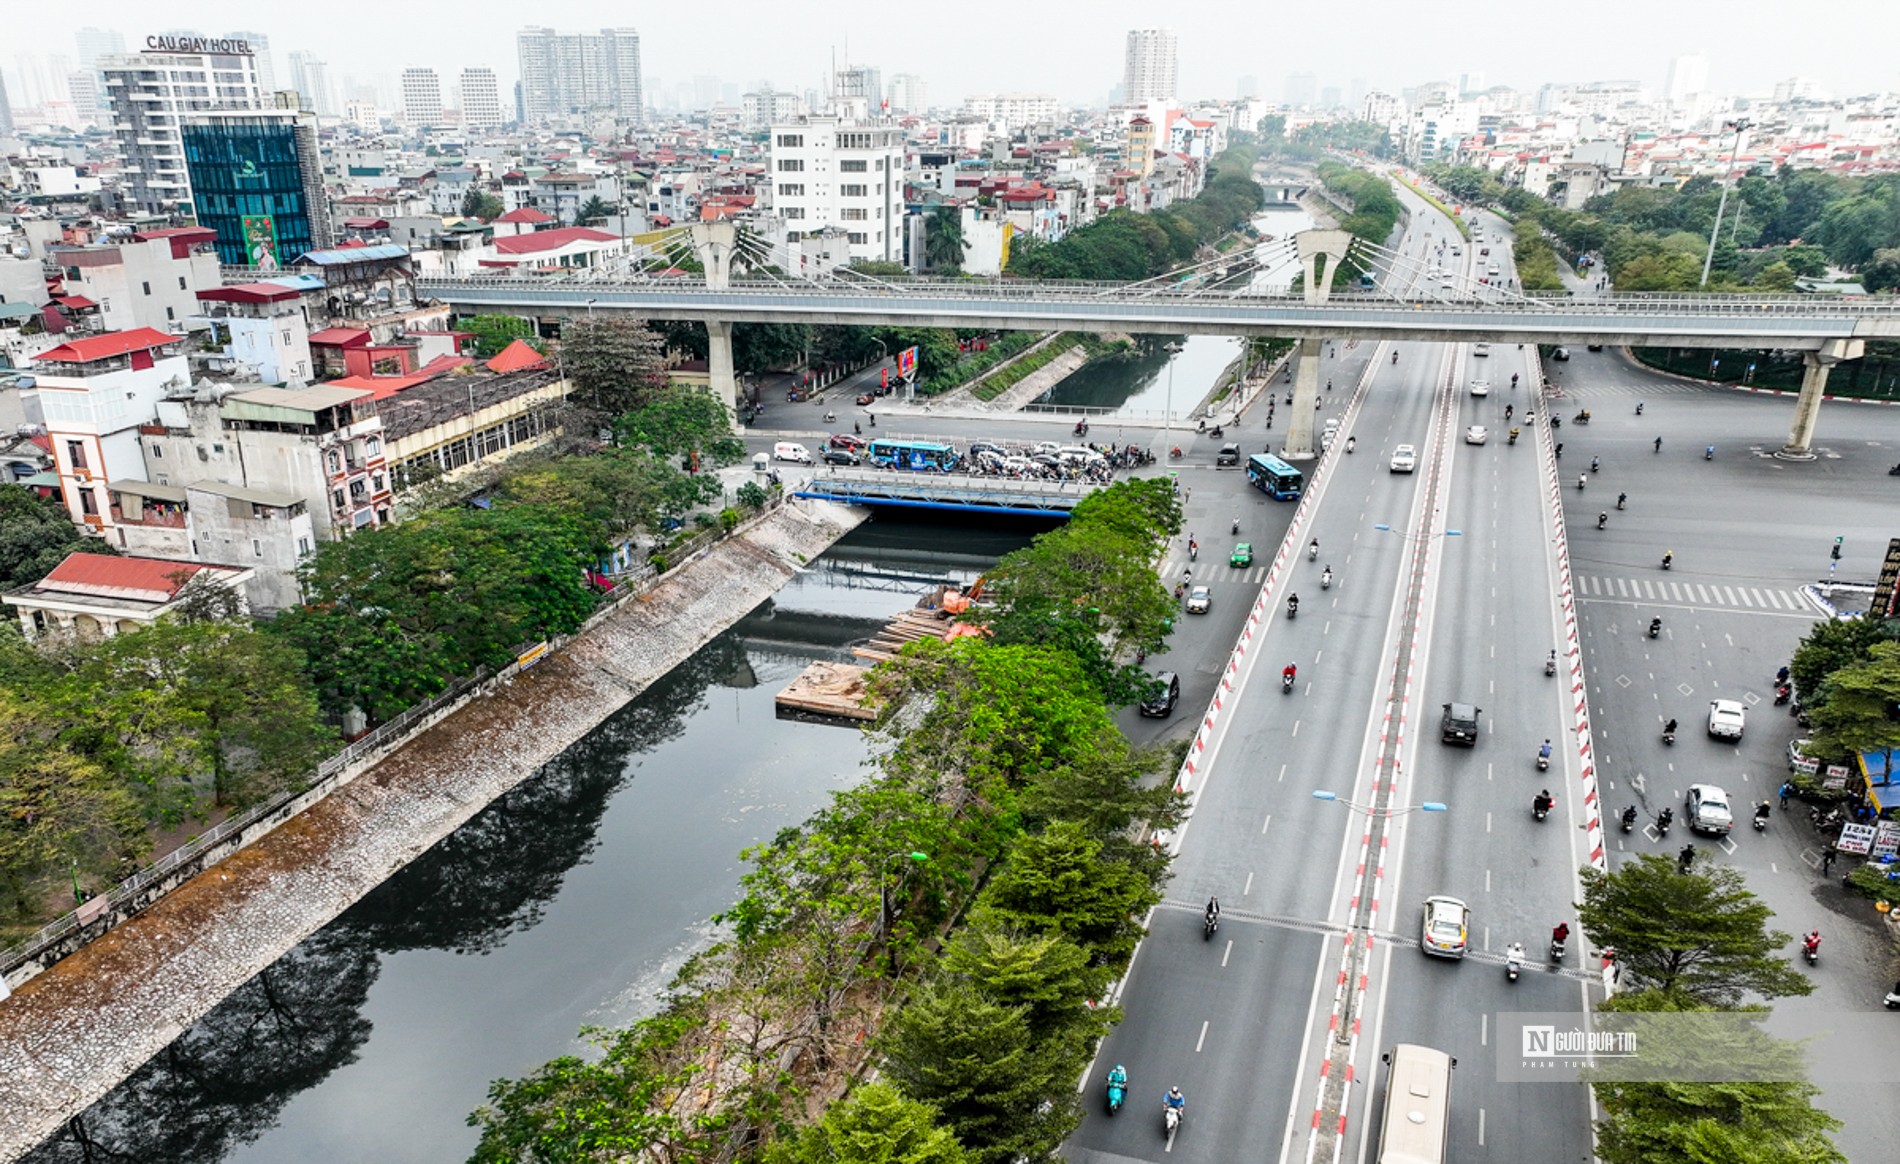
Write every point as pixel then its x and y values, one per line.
pixel 1445 930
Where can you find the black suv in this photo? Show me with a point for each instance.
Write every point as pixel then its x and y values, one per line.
pixel 1162 697
pixel 1228 455
pixel 1460 725
pixel 842 457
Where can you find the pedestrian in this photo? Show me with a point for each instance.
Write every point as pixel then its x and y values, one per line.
pixel 1685 858
pixel 1787 790
pixel 1827 859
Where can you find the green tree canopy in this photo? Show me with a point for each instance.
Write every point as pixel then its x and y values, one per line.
pixel 1859 708
pixel 875 1124
pixel 682 421
pixel 495 332
pixel 36 534
pixel 943 240
pixel 1701 937
pixel 1057 882
pixel 481 204
pixel 615 365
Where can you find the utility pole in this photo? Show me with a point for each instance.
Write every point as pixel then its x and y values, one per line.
pixel 1738 125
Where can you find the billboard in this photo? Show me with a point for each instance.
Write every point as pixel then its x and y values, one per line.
pixel 1885 604
pixel 907 363
pixel 260 242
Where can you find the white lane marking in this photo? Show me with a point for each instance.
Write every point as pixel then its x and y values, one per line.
pixel 1202 1041
pixel 1263 832
pixel 1248 888
pixel 1225 954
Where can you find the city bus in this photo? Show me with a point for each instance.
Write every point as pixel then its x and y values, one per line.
pixel 1416 1125
pixel 1275 477
pixel 919 456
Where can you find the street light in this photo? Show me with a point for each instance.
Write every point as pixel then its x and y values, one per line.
pixel 884 896
pixel 1738 125
pixel 1369 810
pixel 590 308
pixel 1450 533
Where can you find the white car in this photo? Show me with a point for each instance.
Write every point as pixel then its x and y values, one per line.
pixel 1045 447
pixel 1200 600
pixel 1480 349
pixel 1726 719
pixel 1404 459
pixel 1706 810
pixel 1477 434
pixel 1481 387
pixel 1445 930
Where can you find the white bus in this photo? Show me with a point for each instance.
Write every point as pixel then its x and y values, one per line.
pixel 1417 1119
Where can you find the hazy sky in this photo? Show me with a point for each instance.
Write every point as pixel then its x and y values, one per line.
pixel 1075 50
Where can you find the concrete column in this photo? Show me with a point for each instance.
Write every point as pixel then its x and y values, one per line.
pixel 1807 408
pixel 1299 417
pixel 712 246
pixel 719 363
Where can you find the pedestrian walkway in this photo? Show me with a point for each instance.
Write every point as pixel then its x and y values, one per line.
pixel 1611 588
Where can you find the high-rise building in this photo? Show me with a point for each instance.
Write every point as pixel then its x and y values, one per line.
pixel 1247 87
pixel 257 179
pixel 835 174
pixel 6 109
pixel 764 108
pixel 149 91
pixel 1004 111
pixel 1688 78
pixel 480 98
pixel 83 85
pixel 1148 71
pixel 98 42
pixel 1469 83
pixel 1302 89
pixel 421 97
pixel 570 72
pixel 260 49
pixel 860 81
pixel 908 93
pixel 310 77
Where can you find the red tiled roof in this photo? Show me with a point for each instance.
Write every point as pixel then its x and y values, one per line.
pixel 549 240
pixel 527 214
pixel 76 302
pixel 138 579
pixel 365 223
pixel 250 293
pixel 115 343
pixel 515 357
pixel 341 337
pixel 383 387
pixel 203 232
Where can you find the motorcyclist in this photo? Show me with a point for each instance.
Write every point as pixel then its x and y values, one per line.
pixel 1395 357
pixel 1326 577
pixel 1292 672
pixel 1639 408
pixel 1659 444
pixel 1350 442
pixel 1763 812
pixel 1622 499
pixel 1603 520
pixel 1236 525
pixel 1543 750
pixel 1669 728
pixel 1508 410
pixel 1541 802
pixel 1781 676
pixel 1513 379
pixel 1312 548
pixel 1685 858
pixel 1118 1077
pixel 1176 1100
pixel 1292 602
pixel 1668 557
pixel 1596 463
pixel 1812 942
pixel 1582 479
pixel 1629 815
pixel 1560 933
pixel 1665 818
pixel 1213 910
pixel 1514 955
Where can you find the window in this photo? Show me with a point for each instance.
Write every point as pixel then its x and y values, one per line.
pixel 286 337
pixel 791 165
pixel 336 498
pixel 855 237
pixel 303 546
pixel 792 190
pixel 147 285
pixel 76 454
pixel 791 140
pixel 257 548
pixel 336 462
pixel 181 284
pixel 372 447
pixel 794 212
pixel 852 166
pixel 88 504
pixel 852 191
pixel 793 235
pixel 158 452
pixel 853 213
pixel 170 315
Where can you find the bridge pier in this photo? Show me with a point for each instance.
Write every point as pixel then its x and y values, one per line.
pixel 1300 414
pixel 719 364
pixel 1807 408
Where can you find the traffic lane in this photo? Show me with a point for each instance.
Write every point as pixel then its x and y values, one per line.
pixel 1453 1005
pixel 1199 1026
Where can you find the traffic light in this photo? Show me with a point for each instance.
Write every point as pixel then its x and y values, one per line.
pixel 1837 549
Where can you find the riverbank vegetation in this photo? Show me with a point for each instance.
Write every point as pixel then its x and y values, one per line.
pixel 1095 347
pixel 959 913
pixel 1124 245
pixel 1375 212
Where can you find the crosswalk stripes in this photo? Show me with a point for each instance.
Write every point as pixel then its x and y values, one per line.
pixel 1691 593
pixel 1209 571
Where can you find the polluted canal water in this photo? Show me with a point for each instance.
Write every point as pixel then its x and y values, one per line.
pixel 570 901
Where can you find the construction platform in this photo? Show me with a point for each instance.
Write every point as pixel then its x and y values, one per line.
pixel 837 690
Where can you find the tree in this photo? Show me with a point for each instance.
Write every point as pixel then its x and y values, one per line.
pixel 875 1124
pixel 595 209
pixel 1677 272
pixel 1006 1095
pixel 1057 882
pixel 878 268
pixel 36 534
pixel 1699 937
pixel 943 240
pixel 683 421
pixel 1271 129
pixel 1776 277
pixel 1048 976
pixel 478 203
pixel 1882 272
pixel 61 813
pixel 760 347
pixel 615 365
pixel 1856 713
pixel 495 332
pixel 1830 646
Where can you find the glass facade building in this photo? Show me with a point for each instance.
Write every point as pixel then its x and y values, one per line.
pixel 256 179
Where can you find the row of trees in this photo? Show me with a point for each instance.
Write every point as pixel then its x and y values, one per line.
pixel 1848 674
pixel 104 744
pixel 1128 246
pixel 1375 209
pixel 1003 794
pixel 1310 143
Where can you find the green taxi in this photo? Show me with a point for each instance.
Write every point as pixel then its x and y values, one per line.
pixel 1242 555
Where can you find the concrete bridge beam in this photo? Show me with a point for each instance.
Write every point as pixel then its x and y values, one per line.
pixel 719 364
pixel 1300 414
pixel 1807 407
pixel 713 244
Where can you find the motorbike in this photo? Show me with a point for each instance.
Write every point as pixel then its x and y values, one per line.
pixel 1622 500
pixel 1761 822
pixel 1235 528
pixel 1812 952
pixel 1603 521
pixel 1629 818
pixel 1350 442
pixel 1513 962
pixel 1286 684
pixel 1783 694
pixel 1326 579
pixel 1513 437
pixel 1655 628
pixel 1582 480
pixel 1216 431
pixel 1539 811
pixel 1312 552
pixel 1557 949
pixel 1543 761
pixel 1639 408
pixel 1292 608
pixel 1209 923
pixel 1194 553
pixel 1663 820
pixel 1708 454
pixel 1580 418
pixel 1667 559
pixel 1117 1092
pixel 1395 357
pixel 1596 463
pixel 1170 1118
pixel 1174 454
pixel 830 416
pixel 1550 664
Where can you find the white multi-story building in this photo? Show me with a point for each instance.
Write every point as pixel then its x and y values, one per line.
pixel 1688 80
pixel 149 92
pixel 1006 111
pixel 830 172
pixel 1382 109
pixel 568 72
pixel 421 97
pixel 860 82
pixel 908 93
pixel 767 107
pixel 95 392
pixel 481 100
pixel 310 77
pixel 1148 71
pixel 151 281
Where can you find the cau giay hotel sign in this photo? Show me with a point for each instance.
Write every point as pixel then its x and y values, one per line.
pixel 232 46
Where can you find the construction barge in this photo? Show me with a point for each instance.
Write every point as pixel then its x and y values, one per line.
pixel 830 690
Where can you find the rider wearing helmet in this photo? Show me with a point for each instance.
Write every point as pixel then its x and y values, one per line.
pixel 1291 672
pixel 1175 1099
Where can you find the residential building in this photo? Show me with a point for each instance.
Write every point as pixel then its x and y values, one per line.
pixel 257 180
pixel 1148 70
pixel 150 92
pixel 310 77
pixel 860 83
pixel 563 73
pixel 1688 80
pixel 262 329
pixel 150 281
pixel 480 100
pixel 565 248
pixel 845 174
pixel 265 533
pixel 908 93
pixel 1006 111
pixel 763 108
pixel 260 48
pixel 563 195
pixel 93 596
pixel 455 425
pixel 421 97
pixel 1141 145
pixel 95 392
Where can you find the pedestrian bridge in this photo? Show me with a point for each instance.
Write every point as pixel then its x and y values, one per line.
pixel 1795 322
pixel 954 492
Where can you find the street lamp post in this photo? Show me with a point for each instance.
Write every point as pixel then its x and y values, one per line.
pixel 1738 125
pixel 1374 810
pixel 884 897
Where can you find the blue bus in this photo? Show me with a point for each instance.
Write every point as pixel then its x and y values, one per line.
pixel 918 456
pixel 1275 477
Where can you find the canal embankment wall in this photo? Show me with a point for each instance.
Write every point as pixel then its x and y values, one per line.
pixel 78 1028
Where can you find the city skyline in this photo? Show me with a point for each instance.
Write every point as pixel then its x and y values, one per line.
pixel 1749 53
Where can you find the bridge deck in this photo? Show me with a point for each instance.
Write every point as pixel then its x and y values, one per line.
pixel 958 492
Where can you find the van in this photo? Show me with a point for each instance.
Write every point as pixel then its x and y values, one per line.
pixel 1460 725
pixel 1161 698
pixel 791 451
pixel 1415 1127
pixel 1228 455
